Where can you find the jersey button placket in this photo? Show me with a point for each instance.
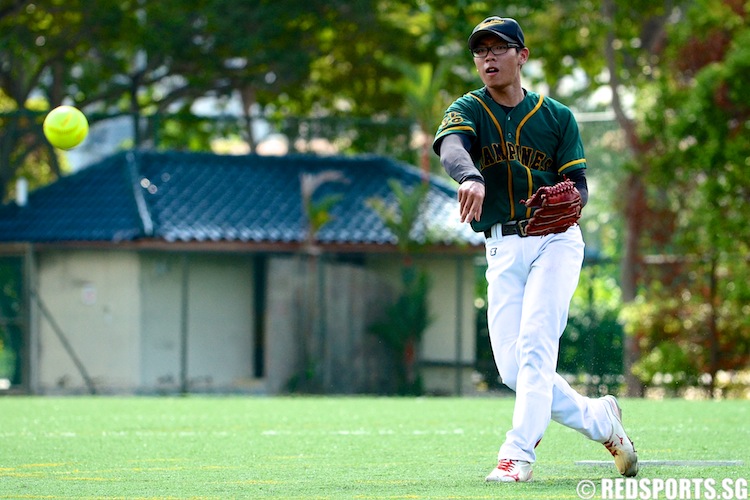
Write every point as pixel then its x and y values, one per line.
pixel 510 135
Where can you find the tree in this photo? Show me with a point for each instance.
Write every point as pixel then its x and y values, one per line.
pixel 423 88
pixel 407 318
pixel 57 52
pixel 34 52
pixel 616 46
pixel 158 59
pixel 696 123
pixel 317 211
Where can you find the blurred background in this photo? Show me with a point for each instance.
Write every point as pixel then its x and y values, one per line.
pixel 659 90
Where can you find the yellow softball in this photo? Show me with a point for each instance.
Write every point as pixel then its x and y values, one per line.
pixel 65 127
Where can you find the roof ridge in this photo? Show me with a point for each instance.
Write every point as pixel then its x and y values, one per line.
pixel 147 222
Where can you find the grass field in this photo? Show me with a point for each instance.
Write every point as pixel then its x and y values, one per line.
pixel 321 448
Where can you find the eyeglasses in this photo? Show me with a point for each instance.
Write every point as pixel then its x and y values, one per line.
pixel 498 50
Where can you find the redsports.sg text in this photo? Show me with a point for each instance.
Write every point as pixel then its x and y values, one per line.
pixel 673 489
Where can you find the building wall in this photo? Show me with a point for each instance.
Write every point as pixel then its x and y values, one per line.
pixel 449 345
pixel 323 308
pixel 220 322
pixel 122 315
pixel 283 349
pixel 125 317
pixel 453 327
pixel 449 276
pixel 93 297
pixel 161 305
pixel 355 359
pixel 452 307
pixel 214 330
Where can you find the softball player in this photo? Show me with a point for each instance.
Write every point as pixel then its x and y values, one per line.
pixel 501 143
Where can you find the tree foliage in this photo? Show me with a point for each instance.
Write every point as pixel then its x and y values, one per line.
pixel 161 59
pixel 405 320
pixel 402 326
pixel 697 126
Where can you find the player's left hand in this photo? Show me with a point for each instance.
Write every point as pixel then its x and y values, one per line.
pixel 558 207
pixel 470 199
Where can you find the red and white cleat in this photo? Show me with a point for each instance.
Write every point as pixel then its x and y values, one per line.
pixel 511 471
pixel 619 444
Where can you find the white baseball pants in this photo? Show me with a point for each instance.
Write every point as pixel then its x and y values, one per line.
pixel 531 282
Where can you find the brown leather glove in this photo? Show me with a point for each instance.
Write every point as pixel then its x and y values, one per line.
pixel 558 207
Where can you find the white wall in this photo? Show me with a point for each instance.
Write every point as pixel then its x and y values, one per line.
pixel 439 342
pixel 161 305
pixel 122 311
pixel 93 297
pixel 219 321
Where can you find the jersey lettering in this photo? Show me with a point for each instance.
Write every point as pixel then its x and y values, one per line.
pixel 489 156
pixel 511 151
pixel 538 161
pixel 526 153
pixel 529 157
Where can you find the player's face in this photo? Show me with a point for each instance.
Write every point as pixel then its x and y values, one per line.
pixel 499 70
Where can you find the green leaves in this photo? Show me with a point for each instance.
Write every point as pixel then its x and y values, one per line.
pixel 318 211
pixel 401 216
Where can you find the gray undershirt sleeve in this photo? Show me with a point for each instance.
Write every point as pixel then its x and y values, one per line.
pixel 456 160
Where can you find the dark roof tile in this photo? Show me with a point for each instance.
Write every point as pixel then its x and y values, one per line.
pixel 178 196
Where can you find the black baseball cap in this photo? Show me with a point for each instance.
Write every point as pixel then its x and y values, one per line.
pixel 504 27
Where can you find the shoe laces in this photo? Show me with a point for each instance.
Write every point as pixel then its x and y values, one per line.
pixel 613 445
pixel 506 464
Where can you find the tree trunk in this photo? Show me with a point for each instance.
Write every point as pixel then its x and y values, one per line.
pixel 248 100
pixel 713 329
pixel 635 206
pixel 634 217
pixel 426 154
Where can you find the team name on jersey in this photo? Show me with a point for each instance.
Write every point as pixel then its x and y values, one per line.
pixel 526 155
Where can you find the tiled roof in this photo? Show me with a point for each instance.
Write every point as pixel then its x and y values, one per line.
pixel 177 196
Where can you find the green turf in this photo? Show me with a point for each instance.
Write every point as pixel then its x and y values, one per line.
pixel 320 448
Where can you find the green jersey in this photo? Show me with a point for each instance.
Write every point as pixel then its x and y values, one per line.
pixel 516 152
